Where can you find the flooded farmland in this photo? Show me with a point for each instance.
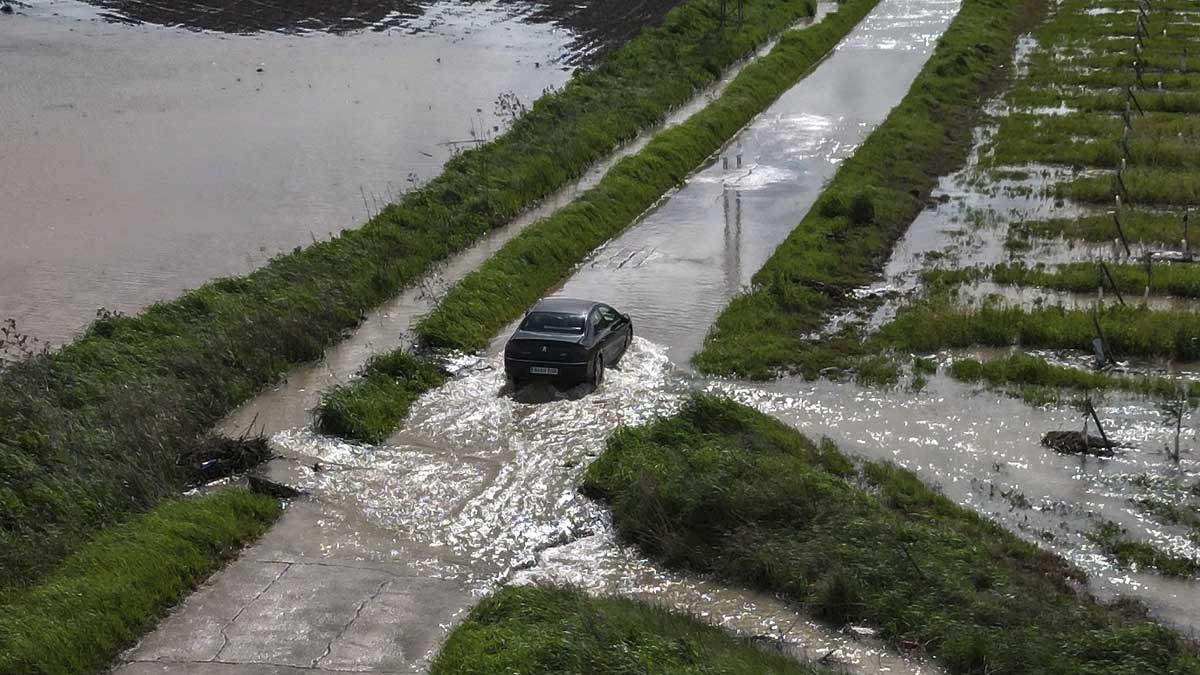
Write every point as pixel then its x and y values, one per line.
pixel 137 161
pixel 479 488
pixel 387 547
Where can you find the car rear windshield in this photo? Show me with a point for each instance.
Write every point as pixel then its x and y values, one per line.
pixel 553 322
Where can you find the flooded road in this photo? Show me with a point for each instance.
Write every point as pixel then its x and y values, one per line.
pixel 139 161
pixel 679 267
pixel 479 488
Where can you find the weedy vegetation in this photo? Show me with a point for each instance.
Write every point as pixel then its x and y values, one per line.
pixel 370 407
pixel 721 489
pixel 528 629
pixel 105 595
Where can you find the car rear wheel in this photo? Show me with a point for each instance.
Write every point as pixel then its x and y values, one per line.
pixel 598 371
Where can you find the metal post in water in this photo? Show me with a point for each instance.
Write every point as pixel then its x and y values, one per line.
pixel 1112 282
pixel 1099 426
pixel 1136 104
pixel 1121 230
pixel 1187 244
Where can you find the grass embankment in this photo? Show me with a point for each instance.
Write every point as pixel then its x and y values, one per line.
pixel 841 243
pixel 92 432
pixel 106 594
pixel 1113 540
pixel 532 630
pixel 1019 371
pixel 722 489
pixel 527 267
pixel 1139 226
pixel 373 405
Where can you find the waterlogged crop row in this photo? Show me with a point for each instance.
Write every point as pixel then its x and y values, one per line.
pixel 1143 172
pixel 545 253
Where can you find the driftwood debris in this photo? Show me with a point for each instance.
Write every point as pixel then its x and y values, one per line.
pixel 1079 443
pixel 216 457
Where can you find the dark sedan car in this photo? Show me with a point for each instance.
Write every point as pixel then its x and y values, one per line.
pixel 567 340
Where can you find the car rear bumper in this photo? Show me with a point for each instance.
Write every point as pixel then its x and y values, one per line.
pixel 522 370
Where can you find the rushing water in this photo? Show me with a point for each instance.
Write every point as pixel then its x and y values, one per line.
pixel 481 485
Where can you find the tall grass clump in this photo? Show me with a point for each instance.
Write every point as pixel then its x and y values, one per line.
pixel 92 432
pixel 370 407
pixel 541 256
pixel 721 489
pixel 829 253
pixel 104 596
pixel 539 630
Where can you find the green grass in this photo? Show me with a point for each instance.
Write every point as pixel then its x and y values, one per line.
pixel 370 407
pixel 1140 226
pixel 1021 371
pixel 1114 541
pixel 533 630
pixel 724 490
pixel 1144 186
pixel 828 253
pixel 106 594
pixel 1087 140
pixel 1179 280
pixel 93 431
pixel 545 253
pixel 937 323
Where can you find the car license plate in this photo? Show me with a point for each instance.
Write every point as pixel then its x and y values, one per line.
pixel 539 370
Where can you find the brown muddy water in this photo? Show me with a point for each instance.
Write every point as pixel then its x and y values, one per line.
pixel 481 487
pixel 137 161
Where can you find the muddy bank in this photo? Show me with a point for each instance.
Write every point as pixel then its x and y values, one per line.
pixel 140 161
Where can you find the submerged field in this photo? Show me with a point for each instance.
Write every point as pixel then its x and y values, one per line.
pixel 988 554
pixel 1055 267
pixel 723 489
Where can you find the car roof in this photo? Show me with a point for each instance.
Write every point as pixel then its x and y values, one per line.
pixel 565 305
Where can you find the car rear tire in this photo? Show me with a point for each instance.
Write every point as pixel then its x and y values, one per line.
pixel 598 371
